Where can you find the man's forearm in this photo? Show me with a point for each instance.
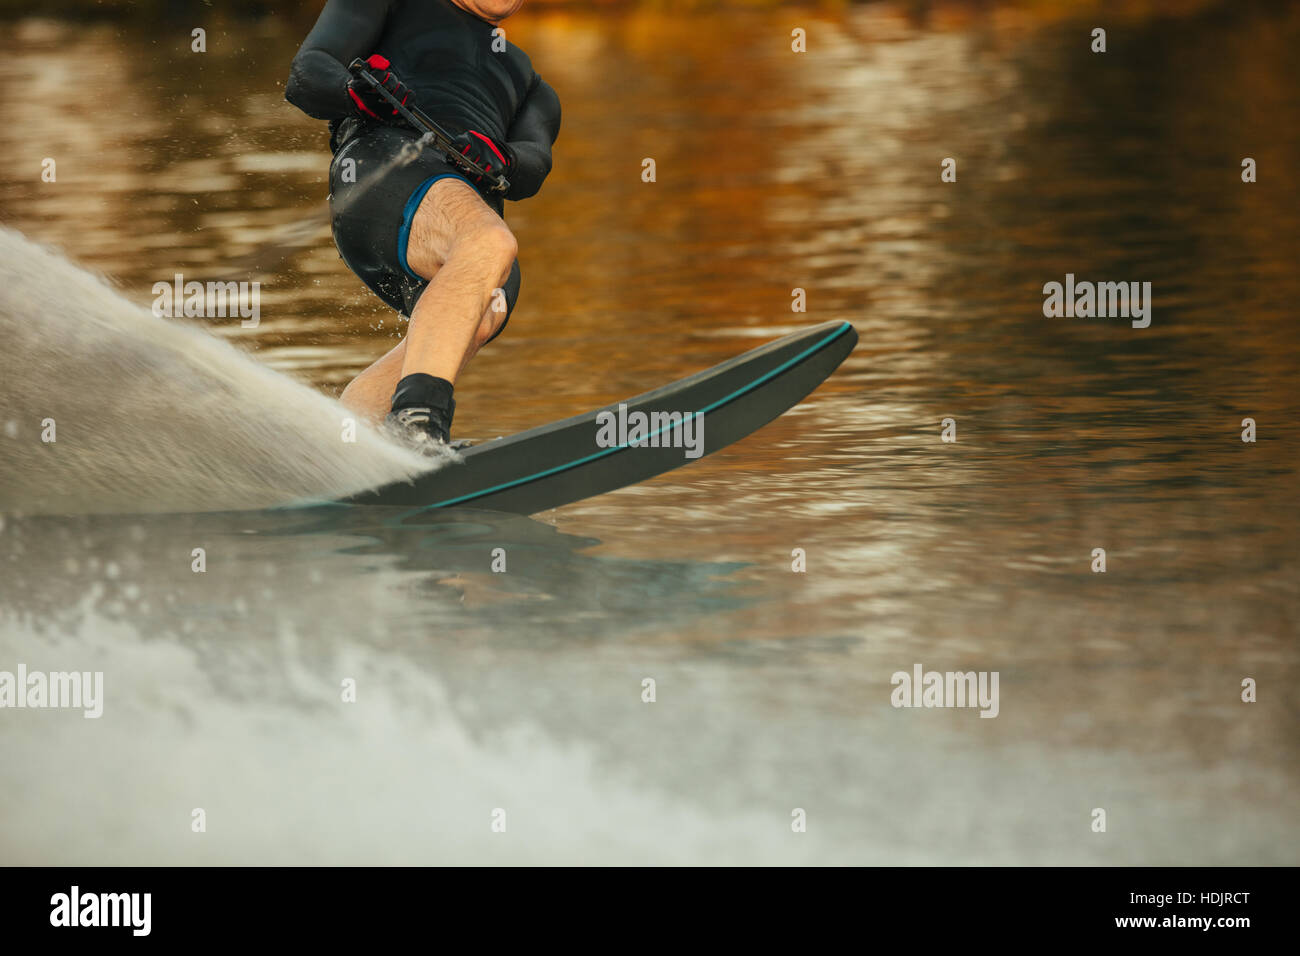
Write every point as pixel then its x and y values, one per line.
pixel 531 136
pixel 532 164
pixel 318 85
pixel 318 78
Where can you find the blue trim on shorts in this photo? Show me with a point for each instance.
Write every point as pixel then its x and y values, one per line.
pixel 408 215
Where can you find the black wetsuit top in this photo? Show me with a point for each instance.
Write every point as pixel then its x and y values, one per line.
pixel 445 55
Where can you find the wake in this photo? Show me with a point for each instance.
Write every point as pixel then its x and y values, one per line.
pixel 150 415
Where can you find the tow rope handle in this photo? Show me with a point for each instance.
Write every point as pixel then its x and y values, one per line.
pixel 422 123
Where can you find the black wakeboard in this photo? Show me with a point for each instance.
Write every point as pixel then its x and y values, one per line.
pixel 562 462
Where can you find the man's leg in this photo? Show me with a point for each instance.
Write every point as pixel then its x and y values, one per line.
pixel 371 393
pixel 465 249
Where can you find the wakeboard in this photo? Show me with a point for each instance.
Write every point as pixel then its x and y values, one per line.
pixel 590 454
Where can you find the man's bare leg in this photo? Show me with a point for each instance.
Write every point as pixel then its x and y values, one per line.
pixel 466 251
pixel 371 392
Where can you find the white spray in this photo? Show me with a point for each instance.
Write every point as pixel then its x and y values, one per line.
pixel 152 415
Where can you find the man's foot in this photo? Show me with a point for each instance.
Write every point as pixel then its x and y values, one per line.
pixel 421 429
pixel 422 412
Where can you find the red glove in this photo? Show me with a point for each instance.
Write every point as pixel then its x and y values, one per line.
pixel 368 100
pixel 475 146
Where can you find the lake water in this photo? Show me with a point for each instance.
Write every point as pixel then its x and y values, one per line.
pixel 522 691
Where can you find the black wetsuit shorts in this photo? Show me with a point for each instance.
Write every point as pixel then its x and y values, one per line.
pixel 372 215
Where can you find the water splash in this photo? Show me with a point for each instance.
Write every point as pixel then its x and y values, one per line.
pixel 149 415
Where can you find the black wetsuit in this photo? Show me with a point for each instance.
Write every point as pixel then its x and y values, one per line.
pixel 463 77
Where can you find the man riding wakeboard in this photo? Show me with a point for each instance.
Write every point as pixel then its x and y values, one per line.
pixel 422 227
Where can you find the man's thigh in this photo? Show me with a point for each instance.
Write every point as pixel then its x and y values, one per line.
pixel 449 211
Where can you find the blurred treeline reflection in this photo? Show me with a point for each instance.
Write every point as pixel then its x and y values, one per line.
pixel 307 9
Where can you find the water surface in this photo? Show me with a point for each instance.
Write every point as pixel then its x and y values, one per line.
pixel 522 690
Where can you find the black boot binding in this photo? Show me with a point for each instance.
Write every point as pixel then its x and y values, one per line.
pixel 421 414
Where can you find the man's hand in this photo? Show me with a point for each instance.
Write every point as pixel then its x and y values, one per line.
pixel 493 157
pixel 368 100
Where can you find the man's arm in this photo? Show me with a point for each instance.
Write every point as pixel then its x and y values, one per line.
pixel 318 78
pixel 530 137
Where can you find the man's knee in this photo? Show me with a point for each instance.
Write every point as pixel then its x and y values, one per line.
pixel 493 245
pixel 488 327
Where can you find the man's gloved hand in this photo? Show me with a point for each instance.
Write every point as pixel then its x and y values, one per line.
pixel 494 157
pixel 368 100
